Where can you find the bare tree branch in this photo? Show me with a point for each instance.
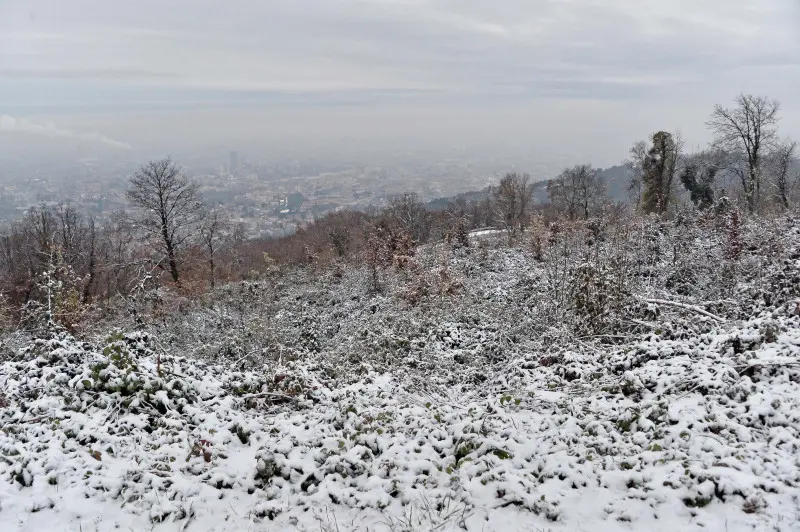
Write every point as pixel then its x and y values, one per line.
pixel 749 129
pixel 170 207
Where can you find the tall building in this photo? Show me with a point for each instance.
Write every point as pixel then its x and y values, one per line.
pixel 233 165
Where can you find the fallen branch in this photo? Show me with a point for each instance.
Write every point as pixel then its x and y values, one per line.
pixel 643 324
pixel 268 394
pixel 693 308
pixel 22 422
pixel 778 361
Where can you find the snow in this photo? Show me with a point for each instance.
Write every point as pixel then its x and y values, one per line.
pixel 375 448
pixel 463 416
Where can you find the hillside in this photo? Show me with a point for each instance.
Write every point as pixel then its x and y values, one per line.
pixel 614 178
pixel 640 374
pixel 538 193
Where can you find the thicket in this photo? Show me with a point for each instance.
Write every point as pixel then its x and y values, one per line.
pixel 57 266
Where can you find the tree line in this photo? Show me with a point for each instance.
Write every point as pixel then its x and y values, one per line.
pixel 58 259
pixel 747 160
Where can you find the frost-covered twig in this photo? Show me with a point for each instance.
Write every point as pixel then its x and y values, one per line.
pixel 693 308
pixel 23 421
pixel 643 323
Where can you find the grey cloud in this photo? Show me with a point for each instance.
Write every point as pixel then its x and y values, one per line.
pixel 402 44
pixel 311 65
pixel 85 74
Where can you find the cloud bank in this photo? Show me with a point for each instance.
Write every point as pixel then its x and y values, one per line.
pixel 594 74
pixel 600 49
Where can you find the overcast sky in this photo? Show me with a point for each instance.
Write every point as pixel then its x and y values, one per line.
pixel 583 78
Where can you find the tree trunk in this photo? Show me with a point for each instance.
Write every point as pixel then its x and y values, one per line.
pixel 211 268
pixel 173 264
pixel 751 191
pixel 173 267
pixel 87 289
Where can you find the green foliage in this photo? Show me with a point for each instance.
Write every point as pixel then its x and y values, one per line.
pixel 242 433
pixel 464 449
pixel 501 454
pixel 697 502
pixel 626 423
pixel 698 181
pixel 118 353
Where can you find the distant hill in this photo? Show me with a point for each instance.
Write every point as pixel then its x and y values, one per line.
pixel 615 178
pixel 616 181
pixel 441 204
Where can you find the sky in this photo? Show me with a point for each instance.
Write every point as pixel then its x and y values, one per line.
pixel 523 79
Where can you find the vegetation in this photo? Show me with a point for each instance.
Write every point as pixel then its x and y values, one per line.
pixel 495 355
pixel 57 258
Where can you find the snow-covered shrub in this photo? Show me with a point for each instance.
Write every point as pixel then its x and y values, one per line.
pixel 629 376
pixel 597 296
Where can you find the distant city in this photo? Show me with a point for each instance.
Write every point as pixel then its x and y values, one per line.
pixel 267 199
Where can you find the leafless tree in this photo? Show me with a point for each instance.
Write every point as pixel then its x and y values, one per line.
pixel 40 226
pixel 748 130
pixel 480 213
pixel 215 231
pixel 120 256
pixel 512 201
pixel 342 231
pixel 77 240
pixel 37 238
pixel 577 191
pixel 784 180
pixel 170 208
pixel 31 244
pixel 71 231
pixel 17 264
pixel 409 213
pixel 635 165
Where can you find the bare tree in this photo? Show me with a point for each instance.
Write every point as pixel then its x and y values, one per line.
pixel 40 226
pixel 780 162
pixel 747 129
pixel 341 231
pixel 481 213
pixel 512 201
pixel 408 211
pixel 18 263
pixel 170 208
pixel 117 256
pixel 214 234
pixel 77 239
pixel 70 231
pixel 577 191
pixel 38 238
pixel 635 166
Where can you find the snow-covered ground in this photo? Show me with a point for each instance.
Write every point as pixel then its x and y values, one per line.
pixel 689 421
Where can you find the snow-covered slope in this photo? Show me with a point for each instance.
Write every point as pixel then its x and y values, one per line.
pixel 437 418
